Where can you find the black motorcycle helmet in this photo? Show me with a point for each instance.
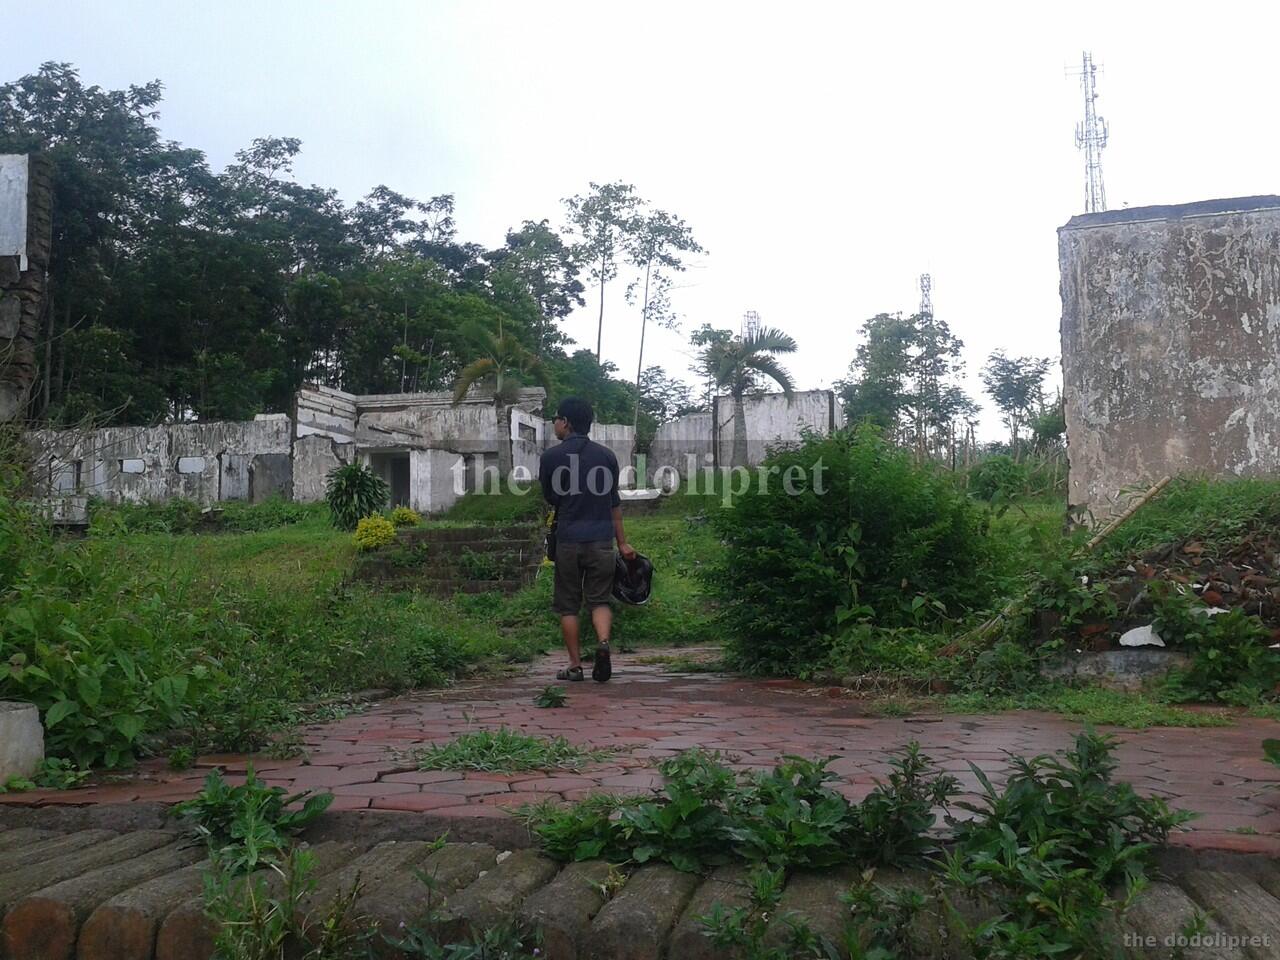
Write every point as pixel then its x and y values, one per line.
pixel 632 580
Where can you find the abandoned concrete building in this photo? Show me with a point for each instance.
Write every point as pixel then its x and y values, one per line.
pixel 1170 345
pixel 428 449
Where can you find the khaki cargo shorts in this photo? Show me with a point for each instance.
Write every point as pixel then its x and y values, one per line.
pixel 584 571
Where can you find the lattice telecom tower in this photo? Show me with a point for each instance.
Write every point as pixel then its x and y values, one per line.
pixel 750 324
pixel 1091 137
pixel 926 295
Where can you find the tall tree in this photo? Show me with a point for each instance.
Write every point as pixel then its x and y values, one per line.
pixel 602 219
pixel 737 365
pixel 656 243
pixel 1016 384
pixel 546 269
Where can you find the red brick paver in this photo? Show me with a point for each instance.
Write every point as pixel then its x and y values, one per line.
pixel 646 715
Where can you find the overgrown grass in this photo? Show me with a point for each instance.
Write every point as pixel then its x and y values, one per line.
pixel 507 751
pixel 1092 705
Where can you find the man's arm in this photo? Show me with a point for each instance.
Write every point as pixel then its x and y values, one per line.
pixel 619 534
pixel 624 548
pixel 545 470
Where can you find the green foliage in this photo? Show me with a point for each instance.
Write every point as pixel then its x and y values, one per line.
pixel 1004 667
pixel 185 516
pixel 998 478
pixel 1048 849
pixel 866 527
pixel 745 931
pixel 788 817
pixel 266 917
pixel 499 509
pixel 479 565
pixel 506 751
pixel 405 517
pixel 551 697
pixel 248 825
pixel 424 938
pixel 1231 658
pixel 354 492
pixel 51 774
pixel 373 532
pixel 1271 751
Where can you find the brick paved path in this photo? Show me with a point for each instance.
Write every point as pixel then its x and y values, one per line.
pixel 648 714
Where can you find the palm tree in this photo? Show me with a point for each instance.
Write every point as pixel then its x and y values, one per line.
pixel 736 365
pixel 506 364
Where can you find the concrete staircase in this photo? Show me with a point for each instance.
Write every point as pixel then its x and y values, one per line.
pixel 448 560
pixel 99 894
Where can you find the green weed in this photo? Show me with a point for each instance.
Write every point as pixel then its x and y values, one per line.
pixel 550 697
pixel 506 751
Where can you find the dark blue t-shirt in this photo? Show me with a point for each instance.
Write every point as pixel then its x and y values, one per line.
pixel 579 478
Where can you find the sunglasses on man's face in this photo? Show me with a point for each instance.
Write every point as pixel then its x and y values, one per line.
pixel 558 419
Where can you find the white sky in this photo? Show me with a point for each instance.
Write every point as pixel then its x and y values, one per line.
pixel 824 154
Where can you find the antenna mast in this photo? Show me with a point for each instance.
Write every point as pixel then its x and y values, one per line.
pixel 926 295
pixel 750 324
pixel 1091 137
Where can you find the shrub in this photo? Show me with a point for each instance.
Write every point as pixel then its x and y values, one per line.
pixel 857 537
pixel 405 517
pixel 353 492
pixel 1231 658
pixel 374 532
pixel 998 477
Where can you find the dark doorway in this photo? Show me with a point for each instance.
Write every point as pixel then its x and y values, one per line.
pixel 399 479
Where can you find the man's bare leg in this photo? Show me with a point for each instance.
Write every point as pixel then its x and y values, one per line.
pixel 602 621
pixel 569 630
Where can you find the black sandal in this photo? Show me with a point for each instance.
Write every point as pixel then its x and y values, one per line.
pixel 602 666
pixel 569 673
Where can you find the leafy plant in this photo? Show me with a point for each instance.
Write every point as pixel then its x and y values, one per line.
pixel 405 517
pixel 1271 751
pixel 248 824
pixel 551 697
pixel 264 918
pixel 424 937
pixel 374 532
pixel 865 526
pixel 479 565
pixel 745 931
pixel 506 751
pixel 353 491
pixel 1227 650
pixel 788 817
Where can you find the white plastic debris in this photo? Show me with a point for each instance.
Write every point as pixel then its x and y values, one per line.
pixel 1209 611
pixel 502 856
pixel 1141 637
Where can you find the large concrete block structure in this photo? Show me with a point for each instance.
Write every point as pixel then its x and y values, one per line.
pixel 26 223
pixel 1170 344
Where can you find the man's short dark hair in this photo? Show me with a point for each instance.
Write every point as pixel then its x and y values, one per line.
pixel 578 412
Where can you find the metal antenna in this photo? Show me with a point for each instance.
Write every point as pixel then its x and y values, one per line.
pixel 1091 137
pixel 926 295
pixel 750 324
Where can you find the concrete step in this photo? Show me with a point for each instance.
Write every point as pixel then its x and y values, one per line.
pixel 136 896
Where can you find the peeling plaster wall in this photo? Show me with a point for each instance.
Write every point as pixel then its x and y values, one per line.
pixel 678 440
pixel 1170 344
pixel 773 419
pixel 204 462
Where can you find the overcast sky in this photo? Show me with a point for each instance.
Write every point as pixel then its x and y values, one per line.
pixel 825 155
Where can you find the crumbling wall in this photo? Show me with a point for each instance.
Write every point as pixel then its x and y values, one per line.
pixel 314 457
pixel 678 440
pixel 528 433
pixel 150 464
pixel 772 419
pixel 1170 344
pixel 436 480
pixel 26 218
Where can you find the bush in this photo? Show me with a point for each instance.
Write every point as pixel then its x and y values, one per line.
pixel 354 491
pixel 998 477
pixel 405 517
pixel 873 536
pixel 374 532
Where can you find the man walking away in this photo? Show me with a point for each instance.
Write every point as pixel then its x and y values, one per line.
pixel 579 479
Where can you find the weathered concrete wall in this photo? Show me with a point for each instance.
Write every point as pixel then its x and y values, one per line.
pixel 324 411
pixel 675 442
pixel 772 419
pixel 1170 344
pixel 313 457
pixel 528 435
pixel 26 218
pixel 435 480
pixel 204 462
